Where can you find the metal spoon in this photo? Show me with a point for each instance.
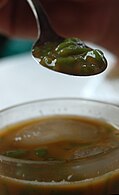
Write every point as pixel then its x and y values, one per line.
pixel 45 31
pixel 72 56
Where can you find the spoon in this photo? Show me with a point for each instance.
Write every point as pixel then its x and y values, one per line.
pixel 65 55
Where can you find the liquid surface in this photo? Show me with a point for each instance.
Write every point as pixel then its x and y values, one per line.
pixel 72 56
pixel 58 138
pixel 84 153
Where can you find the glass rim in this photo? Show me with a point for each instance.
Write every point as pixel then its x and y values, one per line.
pixel 58 99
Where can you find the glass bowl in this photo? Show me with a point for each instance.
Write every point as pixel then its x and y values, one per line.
pixel 93 176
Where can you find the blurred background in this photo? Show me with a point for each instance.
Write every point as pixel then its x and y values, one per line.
pixel 9 47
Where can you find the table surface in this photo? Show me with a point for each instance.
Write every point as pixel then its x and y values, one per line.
pixel 23 80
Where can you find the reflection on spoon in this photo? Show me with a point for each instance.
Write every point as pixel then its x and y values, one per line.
pixel 65 55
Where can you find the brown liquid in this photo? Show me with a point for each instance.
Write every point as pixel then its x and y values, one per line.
pixel 81 155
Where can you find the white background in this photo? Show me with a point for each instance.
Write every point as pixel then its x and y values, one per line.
pixel 23 80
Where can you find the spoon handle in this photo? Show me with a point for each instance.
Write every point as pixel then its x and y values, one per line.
pixel 45 31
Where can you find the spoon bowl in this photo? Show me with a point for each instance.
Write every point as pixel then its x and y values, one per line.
pixel 65 55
